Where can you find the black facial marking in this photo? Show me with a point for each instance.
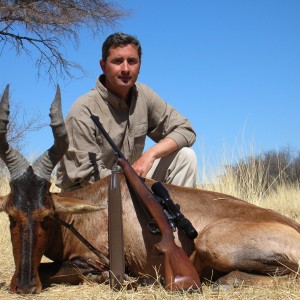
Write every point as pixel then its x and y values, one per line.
pixel 29 192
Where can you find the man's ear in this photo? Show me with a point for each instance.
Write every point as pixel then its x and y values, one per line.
pixel 103 67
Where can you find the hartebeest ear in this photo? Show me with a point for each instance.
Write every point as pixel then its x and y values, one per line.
pixel 74 206
pixel 3 200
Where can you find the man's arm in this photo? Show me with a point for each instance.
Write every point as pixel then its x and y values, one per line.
pixel 161 149
pixel 164 121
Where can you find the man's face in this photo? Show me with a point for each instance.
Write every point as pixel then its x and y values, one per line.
pixel 121 69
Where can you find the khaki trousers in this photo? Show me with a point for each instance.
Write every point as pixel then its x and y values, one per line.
pixel 178 168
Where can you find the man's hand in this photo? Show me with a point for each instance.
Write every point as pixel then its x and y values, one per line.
pixel 145 162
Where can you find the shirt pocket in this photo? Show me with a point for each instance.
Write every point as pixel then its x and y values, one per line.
pixel 138 135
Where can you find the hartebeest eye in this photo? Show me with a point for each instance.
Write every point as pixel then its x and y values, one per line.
pixel 12 222
pixel 45 224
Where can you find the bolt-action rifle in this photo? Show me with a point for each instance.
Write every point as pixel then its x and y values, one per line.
pixel 179 270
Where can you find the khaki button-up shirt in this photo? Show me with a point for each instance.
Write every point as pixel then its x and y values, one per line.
pixel 90 157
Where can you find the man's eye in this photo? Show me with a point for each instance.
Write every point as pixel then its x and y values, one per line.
pixel 117 61
pixel 132 61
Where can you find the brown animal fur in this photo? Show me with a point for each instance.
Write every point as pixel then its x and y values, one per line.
pixel 233 234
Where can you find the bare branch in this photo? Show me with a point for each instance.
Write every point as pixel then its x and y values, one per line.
pixel 43 26
pixel 20 124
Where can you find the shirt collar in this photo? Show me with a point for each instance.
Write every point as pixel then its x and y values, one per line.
pixel 110 97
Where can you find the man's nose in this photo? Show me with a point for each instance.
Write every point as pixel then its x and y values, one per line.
pixel 125 66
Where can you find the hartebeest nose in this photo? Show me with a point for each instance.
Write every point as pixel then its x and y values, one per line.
pixel 27 287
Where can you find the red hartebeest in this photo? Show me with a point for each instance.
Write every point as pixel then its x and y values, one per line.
pixel 232 234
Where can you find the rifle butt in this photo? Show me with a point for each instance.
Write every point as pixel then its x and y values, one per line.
pixel 180 273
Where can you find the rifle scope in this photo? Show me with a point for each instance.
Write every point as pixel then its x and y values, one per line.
pixel 168 204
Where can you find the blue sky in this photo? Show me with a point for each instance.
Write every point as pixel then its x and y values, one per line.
pixel 232 67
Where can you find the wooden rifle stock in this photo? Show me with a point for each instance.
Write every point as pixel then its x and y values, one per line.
pixel 180 273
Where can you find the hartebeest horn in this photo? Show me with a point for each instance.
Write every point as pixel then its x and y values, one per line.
pixel 45 164
pixel 14 161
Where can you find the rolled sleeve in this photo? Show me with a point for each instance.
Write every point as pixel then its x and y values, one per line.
pixel 183 139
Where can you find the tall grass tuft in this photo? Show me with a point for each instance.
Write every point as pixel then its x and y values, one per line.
pixel 248 179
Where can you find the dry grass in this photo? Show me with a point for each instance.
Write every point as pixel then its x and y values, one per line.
pixel 4 186
pixel 284 200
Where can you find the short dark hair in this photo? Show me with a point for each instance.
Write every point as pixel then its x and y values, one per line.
pixel 119 39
